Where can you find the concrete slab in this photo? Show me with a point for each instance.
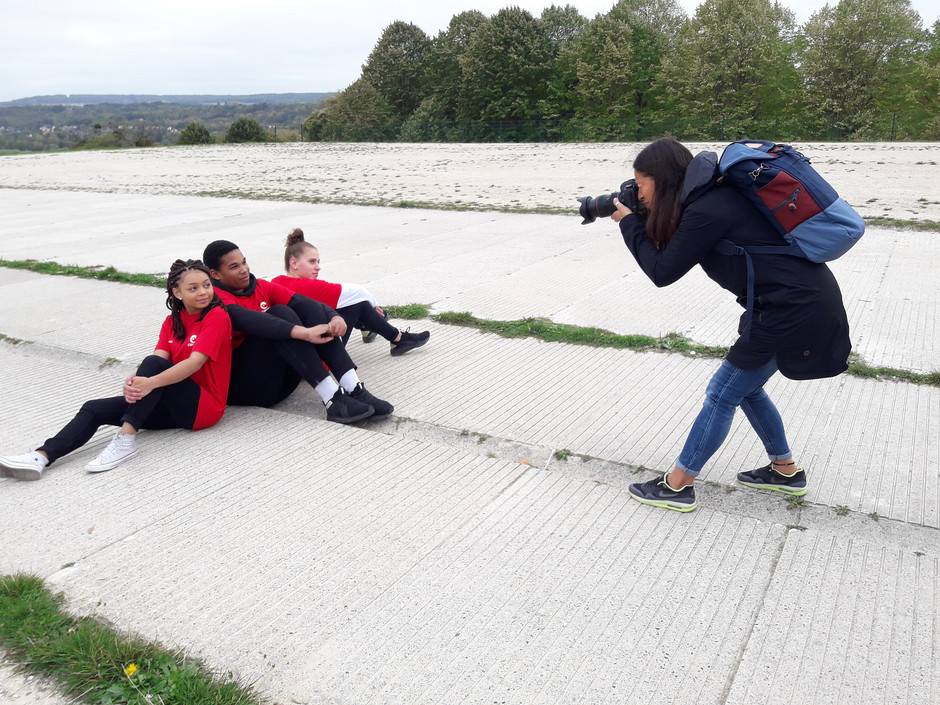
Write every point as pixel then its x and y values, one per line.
pixel 844 621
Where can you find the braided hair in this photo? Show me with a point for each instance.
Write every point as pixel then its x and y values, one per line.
pixel 294 247
pixel 177 270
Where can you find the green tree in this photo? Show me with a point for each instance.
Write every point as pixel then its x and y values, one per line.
pixel 195 133
pixel 506 68
pixel 734 63
pixel 357 113
pixel 246 129
pixel 443 71
pixel 608 70
pixel 562 26
pixel 858 62
pixel 925 79
pixel 395 68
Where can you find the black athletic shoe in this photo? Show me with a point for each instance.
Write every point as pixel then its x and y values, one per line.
pixel 382 408
pixel 658 493
pixel 409 341
pixel 343 408
pixel 767 478
pixel 369 335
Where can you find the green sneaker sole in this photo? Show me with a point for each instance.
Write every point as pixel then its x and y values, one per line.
pixel 665 505
pixel 783 489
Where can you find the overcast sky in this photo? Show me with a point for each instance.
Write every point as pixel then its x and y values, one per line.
pixel 228 46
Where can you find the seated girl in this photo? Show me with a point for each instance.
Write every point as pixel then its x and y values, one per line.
pixel 183 384
pixel 351 301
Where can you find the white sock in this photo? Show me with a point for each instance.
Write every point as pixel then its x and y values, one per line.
pixel 349 381
pixel 326 388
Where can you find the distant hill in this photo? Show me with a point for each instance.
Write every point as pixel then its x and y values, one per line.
pixel 94 99
pixel 63 122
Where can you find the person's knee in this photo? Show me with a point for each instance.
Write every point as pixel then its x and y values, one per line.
pixel 153 365
pixel 285 313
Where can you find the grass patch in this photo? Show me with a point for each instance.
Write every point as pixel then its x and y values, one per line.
pixel 90 659
pixel 902 224
pixel 548 331
pixel 859 368
pixel 97 272
pixel 408 312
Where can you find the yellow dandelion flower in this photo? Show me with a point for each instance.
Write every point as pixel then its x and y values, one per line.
pixel 130 670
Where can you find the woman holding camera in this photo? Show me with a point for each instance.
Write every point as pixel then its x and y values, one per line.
pixel 799 325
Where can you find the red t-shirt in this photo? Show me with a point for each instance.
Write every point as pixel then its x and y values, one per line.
pixel 265 295
pixel 316 289
pixel 212 337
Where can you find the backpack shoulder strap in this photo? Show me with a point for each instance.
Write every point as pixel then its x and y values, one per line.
pixel 726 247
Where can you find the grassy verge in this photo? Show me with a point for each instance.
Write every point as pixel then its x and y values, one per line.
pixel 98 272
pixel 900 223
pixel 547 330
pixel 89 659
pixel 539 328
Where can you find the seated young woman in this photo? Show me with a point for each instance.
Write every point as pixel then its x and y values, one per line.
pixel 280 338
pixel 353 302
pixel 183 384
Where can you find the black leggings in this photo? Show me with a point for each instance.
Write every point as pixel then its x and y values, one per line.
pixel 362 315
pixel 265 372
pixel 173 406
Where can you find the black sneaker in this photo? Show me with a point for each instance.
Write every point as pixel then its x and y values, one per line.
pixel 369 335
pixel 343 408
pixel 768 478
pixel 382 408
pixel 409 341
pixel 659 494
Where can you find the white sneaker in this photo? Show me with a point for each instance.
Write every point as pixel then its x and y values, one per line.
pixel 28 466
pixel 122 447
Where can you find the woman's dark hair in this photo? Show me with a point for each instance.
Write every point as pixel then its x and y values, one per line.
pixel 665 161
pixel 294 247
pixel 215 251
pixel 177 270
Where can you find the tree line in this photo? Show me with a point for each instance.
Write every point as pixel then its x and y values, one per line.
pixel 112 125
pixel 855 70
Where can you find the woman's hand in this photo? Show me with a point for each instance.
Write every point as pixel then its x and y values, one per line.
pixel 136 388
pixel 621 212
pixel 314 334
pixel 337 326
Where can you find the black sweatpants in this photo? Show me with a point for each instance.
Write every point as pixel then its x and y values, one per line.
pixel 265 372
pixel 362 315
pixel 173 406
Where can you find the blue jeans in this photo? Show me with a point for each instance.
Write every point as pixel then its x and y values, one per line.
pixel 729 388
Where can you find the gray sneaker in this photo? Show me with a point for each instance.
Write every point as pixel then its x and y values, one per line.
pixel 122 447
pixel 28 466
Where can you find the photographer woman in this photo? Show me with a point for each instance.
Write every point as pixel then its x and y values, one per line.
pixel 799 325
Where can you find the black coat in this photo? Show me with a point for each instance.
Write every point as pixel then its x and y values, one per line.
pixel 798 311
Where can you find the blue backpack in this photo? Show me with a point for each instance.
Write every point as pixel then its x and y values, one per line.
pixel 797 201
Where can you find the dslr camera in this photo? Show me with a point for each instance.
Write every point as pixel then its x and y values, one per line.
pixel 603 206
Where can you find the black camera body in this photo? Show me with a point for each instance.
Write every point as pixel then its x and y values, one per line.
pixel 603 206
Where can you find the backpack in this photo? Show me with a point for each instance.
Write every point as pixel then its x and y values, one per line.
pixel 796 200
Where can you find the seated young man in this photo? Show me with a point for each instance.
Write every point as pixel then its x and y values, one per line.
pixel 279 338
